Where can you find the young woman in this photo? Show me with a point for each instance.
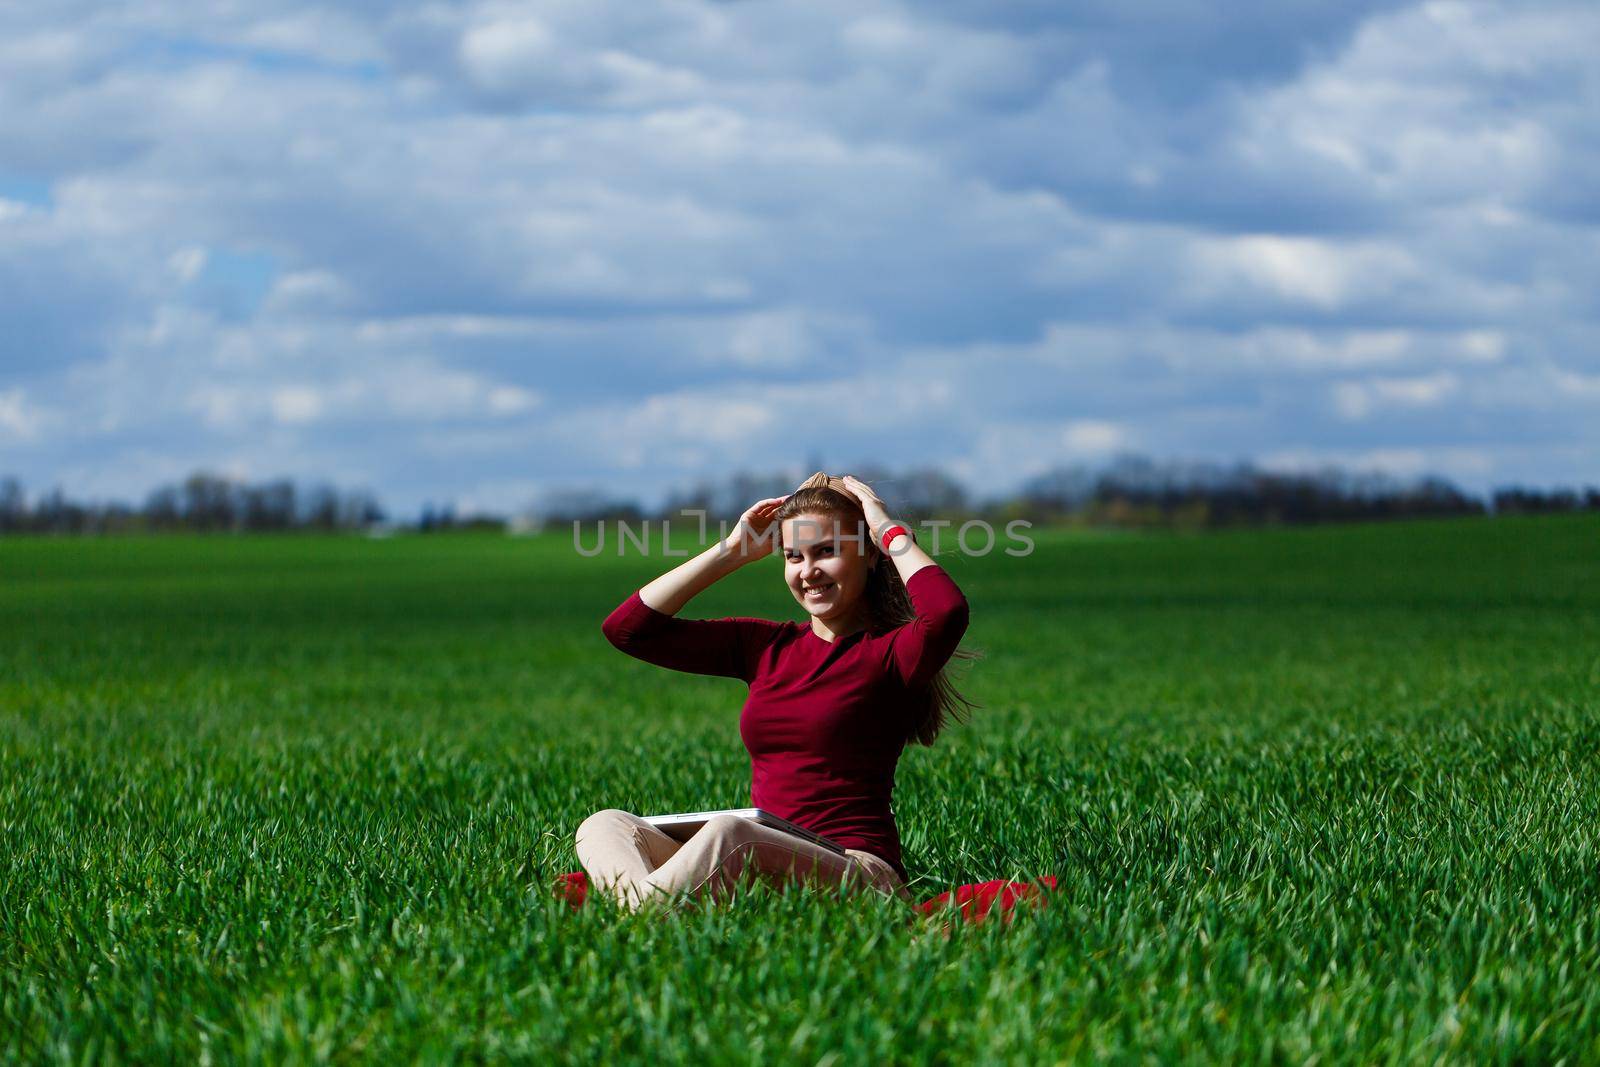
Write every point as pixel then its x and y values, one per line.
pixel 832 702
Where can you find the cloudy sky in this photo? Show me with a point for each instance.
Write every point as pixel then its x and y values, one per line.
pixel 473 251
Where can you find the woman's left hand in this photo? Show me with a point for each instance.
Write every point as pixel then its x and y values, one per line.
pixel 871 506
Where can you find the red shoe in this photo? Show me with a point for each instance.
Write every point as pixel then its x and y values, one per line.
pixel 573 888
pixel 980 898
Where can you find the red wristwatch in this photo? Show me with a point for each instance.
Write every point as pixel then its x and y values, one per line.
pixel 891 533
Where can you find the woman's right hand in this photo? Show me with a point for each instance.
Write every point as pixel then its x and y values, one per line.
pixel 754 538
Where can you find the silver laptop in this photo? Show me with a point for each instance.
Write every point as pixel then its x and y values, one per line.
pixel 683 826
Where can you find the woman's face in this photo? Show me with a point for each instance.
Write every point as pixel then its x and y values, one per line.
pixel 825 553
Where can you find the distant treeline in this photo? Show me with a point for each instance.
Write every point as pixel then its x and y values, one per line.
pixel 1130 491
pixel 202 502
pixel 1137 491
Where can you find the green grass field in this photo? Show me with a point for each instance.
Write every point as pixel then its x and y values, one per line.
pixel 1320 795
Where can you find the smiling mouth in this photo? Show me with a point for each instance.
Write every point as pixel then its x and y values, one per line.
pixel 818 590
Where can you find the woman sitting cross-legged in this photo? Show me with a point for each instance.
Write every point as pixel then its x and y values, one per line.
pixel 833 701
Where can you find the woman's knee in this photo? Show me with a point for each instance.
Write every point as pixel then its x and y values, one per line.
pixel 603 821
pixel 727 828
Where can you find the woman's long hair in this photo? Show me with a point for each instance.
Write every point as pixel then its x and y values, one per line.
pixel 888 603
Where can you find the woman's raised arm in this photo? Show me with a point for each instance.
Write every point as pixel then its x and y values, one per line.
pixel 645 625
pixel 750 541
pixel 917 650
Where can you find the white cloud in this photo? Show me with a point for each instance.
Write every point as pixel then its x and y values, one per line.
pixel 296 403
pixel 517 56
pixel 12 209
pixel 188 262
pixel 1358 399
pixel 1467 464
pixel 326 35
pixel 1000 456
pixel 308 292
pixel 499 54
pixel 1577 385
pixel 1091 436
pixel 774 339
pixel 1323 273
pixel 1483 346
pixel 19 420
pixel 1415 106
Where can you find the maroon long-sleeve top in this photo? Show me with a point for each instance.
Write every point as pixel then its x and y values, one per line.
pixel 825 721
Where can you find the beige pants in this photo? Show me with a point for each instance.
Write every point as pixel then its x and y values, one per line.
pixel 633 862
